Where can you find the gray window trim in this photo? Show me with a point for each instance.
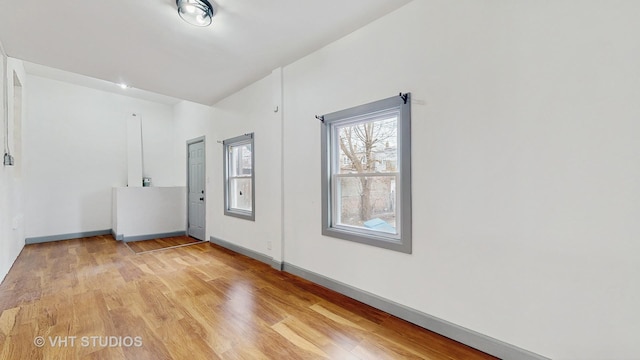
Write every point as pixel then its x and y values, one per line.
pixel 404 244
pixel 239 140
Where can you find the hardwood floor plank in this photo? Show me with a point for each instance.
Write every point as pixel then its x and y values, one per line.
pixel 198 301
pixel 297 340
pixel 128 323
pixel 341 336
pixel 158 244
pixel 329 347
pixel 8 320
pixel 173 334
pixel 411 336
pixel 105 354
pixel 337 318
pixel 370 350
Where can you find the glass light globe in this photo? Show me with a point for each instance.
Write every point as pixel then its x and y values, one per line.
pixel 195 12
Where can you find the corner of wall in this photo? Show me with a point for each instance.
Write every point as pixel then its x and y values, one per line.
pixel 12 222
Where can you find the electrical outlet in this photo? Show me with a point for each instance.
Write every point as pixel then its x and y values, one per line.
pixel 269 245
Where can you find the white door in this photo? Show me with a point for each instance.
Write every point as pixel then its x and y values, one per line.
pixel 195 189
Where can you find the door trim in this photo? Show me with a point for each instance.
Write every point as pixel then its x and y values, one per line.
pixel 204 144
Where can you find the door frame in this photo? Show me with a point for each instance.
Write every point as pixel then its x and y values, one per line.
pixel 204 144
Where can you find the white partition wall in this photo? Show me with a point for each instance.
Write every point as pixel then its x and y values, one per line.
pixel 149 212
pixel 76 143
pixel 13 84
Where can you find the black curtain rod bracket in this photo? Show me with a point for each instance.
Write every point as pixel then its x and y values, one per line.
pixel 404 97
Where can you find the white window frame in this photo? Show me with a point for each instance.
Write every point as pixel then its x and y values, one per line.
pixel 228 210
pixel 402 240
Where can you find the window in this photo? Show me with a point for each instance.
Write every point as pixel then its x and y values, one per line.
pixel 366 174
pixel 239 184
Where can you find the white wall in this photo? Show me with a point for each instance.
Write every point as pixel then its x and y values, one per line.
pixel 144 211
pixel 134 151
pixel 525 196
pixel 249 110
pixel 194 121
pixel 11 184
pixel 75 149
pixel 525 168
pixel 252 110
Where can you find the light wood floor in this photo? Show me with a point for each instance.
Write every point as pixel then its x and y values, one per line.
pixel 193 302
pixel 158 244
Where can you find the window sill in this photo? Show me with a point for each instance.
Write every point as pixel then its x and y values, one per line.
pixel 247 215
pixel 385 242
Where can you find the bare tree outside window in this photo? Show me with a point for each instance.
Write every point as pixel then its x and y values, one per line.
pixel 368 149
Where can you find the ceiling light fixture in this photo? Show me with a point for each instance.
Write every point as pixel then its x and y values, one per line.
pixel 123 86
pixel 195 12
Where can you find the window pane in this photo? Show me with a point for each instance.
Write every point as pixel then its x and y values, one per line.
pixel 240 194
pixel 239 177
pixel 368 202
pixel 366 174
pixel 368 147
pixel 240 160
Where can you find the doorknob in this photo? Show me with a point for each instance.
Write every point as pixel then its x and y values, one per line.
pixel 201 199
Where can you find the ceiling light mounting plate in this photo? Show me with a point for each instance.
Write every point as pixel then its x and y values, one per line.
pixel 195 12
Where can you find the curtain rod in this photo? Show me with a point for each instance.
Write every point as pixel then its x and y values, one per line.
pixel 404 98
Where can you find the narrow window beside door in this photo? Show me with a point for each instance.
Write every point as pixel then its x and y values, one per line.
pixel 239 177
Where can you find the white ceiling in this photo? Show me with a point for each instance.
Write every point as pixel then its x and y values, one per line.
pixel 145 44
